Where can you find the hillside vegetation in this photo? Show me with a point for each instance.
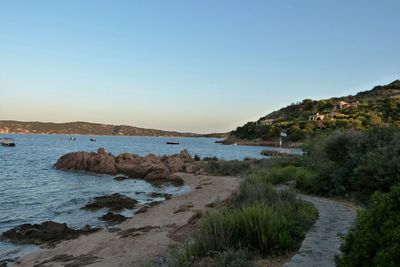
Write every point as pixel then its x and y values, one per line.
pixel 87 128
pixel 379 106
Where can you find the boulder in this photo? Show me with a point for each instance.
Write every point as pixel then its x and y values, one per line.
pixel 157 173
pixel 185 156
pixel 137 171
pixel 175 180
pixel 113 202
pixel 175 164
pixel 43 233
pixel 113 217
pixel 151 167
pixel 127 158
pixel 99 162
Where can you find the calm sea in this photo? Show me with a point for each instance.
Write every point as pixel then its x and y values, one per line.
pixel 31 191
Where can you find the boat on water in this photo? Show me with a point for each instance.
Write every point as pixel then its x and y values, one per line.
pixel 72 138
pixel 93 139
pixel 7 142
pixel 172 143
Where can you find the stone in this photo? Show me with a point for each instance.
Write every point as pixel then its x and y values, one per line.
pixel 113 217
pixel 99 162
pixel 175 164
pixel 214 202
pixel 45 232
pixel 120 178
pixel 157 173
pixel 185 156
pixel 151 168
pixel 175 179
pixel 113 202
pixel 142 209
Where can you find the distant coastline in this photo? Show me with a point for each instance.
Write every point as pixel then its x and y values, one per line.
pixel 88 128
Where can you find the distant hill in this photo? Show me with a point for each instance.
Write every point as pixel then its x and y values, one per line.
pixel 87 128
pixel 379 106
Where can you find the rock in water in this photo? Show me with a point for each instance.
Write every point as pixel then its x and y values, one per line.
pixel 43 233
pixel 99 162
pixel 120 178
pixel 151 168
pixel 113 217
pixel 113 202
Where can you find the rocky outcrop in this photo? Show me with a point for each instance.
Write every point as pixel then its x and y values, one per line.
pixel 113 202
pixel 150 168
pixel 100 162
pixel 45 232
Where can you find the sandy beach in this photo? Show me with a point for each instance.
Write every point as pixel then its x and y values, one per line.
pixel 146 236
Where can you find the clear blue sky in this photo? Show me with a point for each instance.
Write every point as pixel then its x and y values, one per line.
pixel 199 66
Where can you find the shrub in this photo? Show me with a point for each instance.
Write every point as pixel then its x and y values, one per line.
pixel 304 177
pixel 375 240
pixel 229 258
pixel 259 219
pixel 354 162
pixel 232 167
pixel 210 158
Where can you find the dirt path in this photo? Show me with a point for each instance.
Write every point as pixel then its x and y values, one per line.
pixel 322 242
pixel 143 238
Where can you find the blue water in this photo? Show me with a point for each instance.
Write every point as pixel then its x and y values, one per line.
pixel 31 191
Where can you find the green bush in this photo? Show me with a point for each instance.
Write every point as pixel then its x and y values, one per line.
pixel 375 240
pixel 232 167
pixel 260 219
pixel 229 258
pixel 355 162
pixel 210 158
pixel 281 174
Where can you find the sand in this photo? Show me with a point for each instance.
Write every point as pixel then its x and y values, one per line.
pixel 145 237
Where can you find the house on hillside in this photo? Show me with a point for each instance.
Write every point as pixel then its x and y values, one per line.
pixel 267 122
pixel 344 104
pixel 316 117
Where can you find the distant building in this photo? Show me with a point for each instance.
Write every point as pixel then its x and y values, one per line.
pixel 344 104
pixel 267 122
pixel 316 117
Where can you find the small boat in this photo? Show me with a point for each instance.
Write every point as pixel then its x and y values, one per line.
pixel 172 143
pixel 7 142
pixel 72 138
pixel 93 139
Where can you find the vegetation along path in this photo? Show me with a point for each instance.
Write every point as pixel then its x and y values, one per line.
pixel 322 242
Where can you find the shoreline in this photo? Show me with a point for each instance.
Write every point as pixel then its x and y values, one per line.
pixel 145 237
pixel 263 143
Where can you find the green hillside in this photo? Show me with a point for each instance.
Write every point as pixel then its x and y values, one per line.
pixel 378 106
pixel 87 128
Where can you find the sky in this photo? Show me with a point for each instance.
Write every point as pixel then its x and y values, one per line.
pixel 199 66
